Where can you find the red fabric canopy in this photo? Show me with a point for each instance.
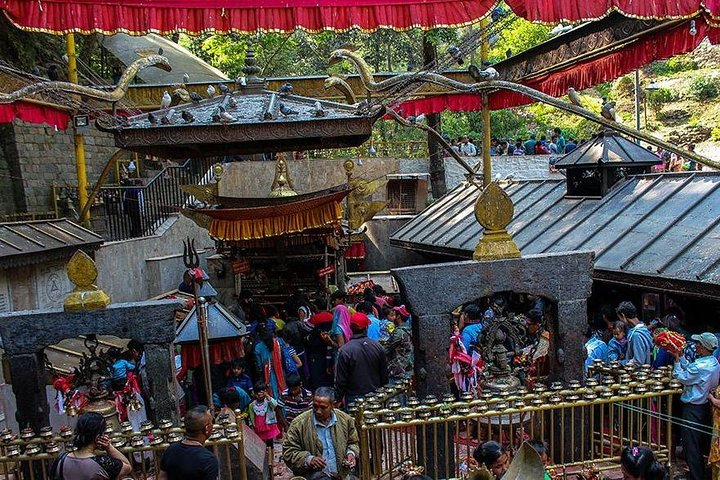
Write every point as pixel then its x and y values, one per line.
pixel 552 11
pixel 34 113
pixel 579 76
pixel 197 16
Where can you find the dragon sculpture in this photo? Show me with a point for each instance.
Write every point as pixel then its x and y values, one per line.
pixel 340 84
pixel 490 84
pixel 423 76
pixel 109 96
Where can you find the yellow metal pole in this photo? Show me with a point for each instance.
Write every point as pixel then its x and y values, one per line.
pixel 487 166
pixel 78 137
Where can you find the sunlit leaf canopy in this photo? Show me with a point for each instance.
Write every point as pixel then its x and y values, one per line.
pixel 206 16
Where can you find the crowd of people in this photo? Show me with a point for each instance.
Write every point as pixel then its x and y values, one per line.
pixel 534 145
pixel 621 336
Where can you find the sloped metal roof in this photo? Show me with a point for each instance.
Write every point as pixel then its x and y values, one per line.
pixel 220 323
pixel 36 241
pixel 608 149
pixel 660 225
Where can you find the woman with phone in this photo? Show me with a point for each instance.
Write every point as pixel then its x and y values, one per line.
pixel 83 463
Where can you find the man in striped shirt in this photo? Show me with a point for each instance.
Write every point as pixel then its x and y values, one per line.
pixel 639 338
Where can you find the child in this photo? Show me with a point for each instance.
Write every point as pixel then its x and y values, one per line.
pixel 295 398
pixel 617 346
pixel 265 415
pixel 238 377
pixel 120 368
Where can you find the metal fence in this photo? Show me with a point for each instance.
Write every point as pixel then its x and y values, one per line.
pixel 139 210
pixel 582 425
pixel 29 455
pixel 410 149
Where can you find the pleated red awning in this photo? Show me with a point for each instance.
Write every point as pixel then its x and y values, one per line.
pixel 140 17
pixel 580 75
pixel 197 16
pixel 552 11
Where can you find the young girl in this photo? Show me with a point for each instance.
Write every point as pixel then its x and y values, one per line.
pixel 617 346
pixel 265 415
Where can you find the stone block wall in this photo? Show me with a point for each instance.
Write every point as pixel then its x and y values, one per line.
pixel 37 155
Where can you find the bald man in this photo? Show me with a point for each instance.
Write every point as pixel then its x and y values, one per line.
pixel 189 459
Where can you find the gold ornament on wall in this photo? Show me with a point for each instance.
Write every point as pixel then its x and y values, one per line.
pixel 82 272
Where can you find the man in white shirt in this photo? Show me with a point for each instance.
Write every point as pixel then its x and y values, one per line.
pixel 467 148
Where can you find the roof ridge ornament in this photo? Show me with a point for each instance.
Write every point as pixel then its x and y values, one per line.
pixel 494 211
pixel 282 185
pixel 251 70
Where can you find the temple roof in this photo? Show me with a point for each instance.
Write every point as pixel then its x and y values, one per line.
pixel 608 149
pixel 653 228
pixel 220 323
pixel 248 120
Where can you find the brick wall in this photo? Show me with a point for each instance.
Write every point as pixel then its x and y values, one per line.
pixel 43 155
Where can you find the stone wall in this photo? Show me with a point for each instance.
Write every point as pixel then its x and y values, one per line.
pixel 36 155
pixel 380 255
pixel 141 268
pixel 521 167
pixel 254 178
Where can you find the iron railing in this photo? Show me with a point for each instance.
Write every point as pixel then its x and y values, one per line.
pixel 29 455
pixel 139 210
pixel 410 149
pixel 583 426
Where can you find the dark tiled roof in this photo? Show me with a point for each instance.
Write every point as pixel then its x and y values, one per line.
pixel 609 149
pixel 29 242
pixel 220 323
pixel 661 225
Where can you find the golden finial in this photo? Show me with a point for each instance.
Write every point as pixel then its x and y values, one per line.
pixel 494 211
pixel 218 171
pixel 82 272
pixel 282 184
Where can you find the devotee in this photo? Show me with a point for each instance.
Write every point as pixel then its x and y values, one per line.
pixel 494 457
pixel 295 399
pixel 467 148
pixel 529 145
pixel 190 459
pixel 560 141
pixel 699 378
pixel 83 464
pixel 322 442
pixel 340 330
pixel 361 363
pixel 375 325
pixel 617 345
pixel 320 349
pixel 639 338
pixel 595 348
pixel 399 350
pixel 639 463
pixel 471 326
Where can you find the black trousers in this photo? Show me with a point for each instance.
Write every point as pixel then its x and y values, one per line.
pixel 696 444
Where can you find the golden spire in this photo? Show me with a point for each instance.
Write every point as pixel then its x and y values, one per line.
pixel 282 184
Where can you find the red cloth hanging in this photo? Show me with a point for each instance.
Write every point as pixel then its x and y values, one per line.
pixel 551 11
pixel 356 250
pixel 579 76
pixel 199 16
pixel 221 351
pixel 34 113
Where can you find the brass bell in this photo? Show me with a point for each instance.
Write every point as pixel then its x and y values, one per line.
pixel 137 441
pixel 231 431
pixel 174 437
pixel 431 400
pixel 156 440
pixel 66 432
pixel 146 426
pixel 13 451
pixel 71 410
pixel 413 402
pixel 165 424
pixel 118 442
pixel 6 435
pixel 52 447
pixel 45 432
pixel 27 433
pixel 33 449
